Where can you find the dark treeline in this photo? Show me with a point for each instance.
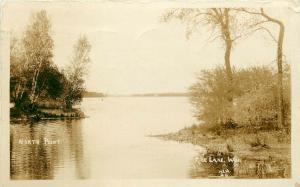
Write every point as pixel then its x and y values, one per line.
pixel 35 80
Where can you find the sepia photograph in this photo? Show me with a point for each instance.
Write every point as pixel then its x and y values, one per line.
pixel 113 91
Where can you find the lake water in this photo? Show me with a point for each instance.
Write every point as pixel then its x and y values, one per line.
pixel 112 142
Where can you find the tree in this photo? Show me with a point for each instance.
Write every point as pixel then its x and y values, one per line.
pixel 223 24
pixel 18 78
pixel 38 46
pixel 259 25
pixel 76 71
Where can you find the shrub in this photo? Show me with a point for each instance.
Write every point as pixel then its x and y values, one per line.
pixel 255 96
pixel 256 108
pixel 209 95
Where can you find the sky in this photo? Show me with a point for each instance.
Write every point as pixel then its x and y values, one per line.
pixel 133 51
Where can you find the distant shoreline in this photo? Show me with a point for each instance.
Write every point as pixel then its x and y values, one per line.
pixel 147 96
pixel 99 95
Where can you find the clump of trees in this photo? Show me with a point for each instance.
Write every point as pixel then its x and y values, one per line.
pixel 35 78
pixel 255 97
pixel 218 92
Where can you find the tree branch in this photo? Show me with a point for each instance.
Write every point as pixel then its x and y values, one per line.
pixel 247 11
pixel 260 28
pixel 269 18
pixel 269 32
pixel 258 23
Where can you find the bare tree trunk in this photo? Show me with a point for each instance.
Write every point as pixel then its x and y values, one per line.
pixel 280 77
pixel 227 58
pixel 229 70
pixel 33 87
pixel 280 110
pixel 34 83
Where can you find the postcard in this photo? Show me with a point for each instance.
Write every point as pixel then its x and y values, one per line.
pixel 150 93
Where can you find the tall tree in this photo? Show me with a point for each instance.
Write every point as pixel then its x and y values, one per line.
pixel 222 23
pixel 17 72
pixel 76 71
pixel 38 46
pixel 260 24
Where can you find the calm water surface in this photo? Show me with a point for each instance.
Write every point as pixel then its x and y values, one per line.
pixel 111 143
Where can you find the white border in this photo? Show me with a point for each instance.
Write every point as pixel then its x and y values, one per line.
pixel 4 120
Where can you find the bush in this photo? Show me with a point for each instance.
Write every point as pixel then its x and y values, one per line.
pixel 254 97
pixel 257 105
pixel 210 96
pixel 256 108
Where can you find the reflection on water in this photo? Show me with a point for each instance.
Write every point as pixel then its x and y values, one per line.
pixel 111 143
pixel 45 159
pixel 218 164
pixel 214 164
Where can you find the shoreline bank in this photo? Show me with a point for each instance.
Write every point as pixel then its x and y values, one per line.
pixel 263 154
pixel 45 114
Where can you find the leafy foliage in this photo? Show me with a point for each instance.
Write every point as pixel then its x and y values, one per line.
pixel 209 95
pixel 255 92
pixel 34 77
pixel 76 71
